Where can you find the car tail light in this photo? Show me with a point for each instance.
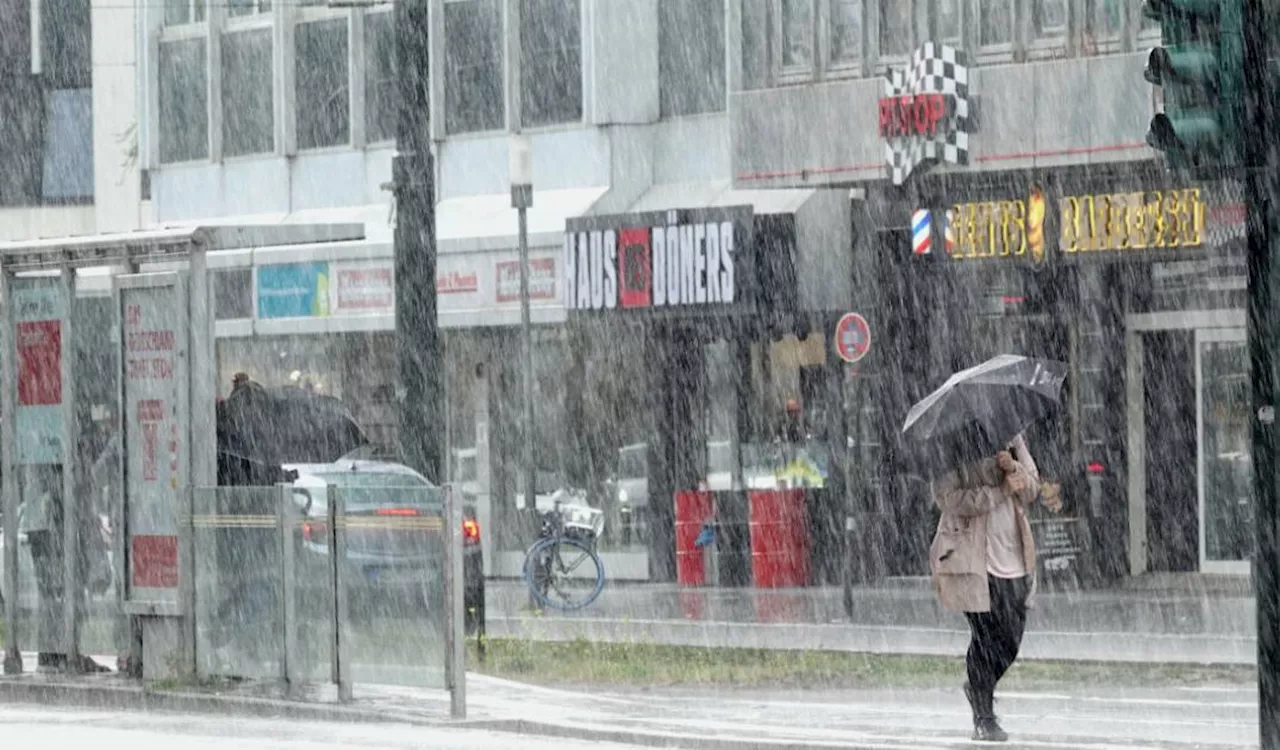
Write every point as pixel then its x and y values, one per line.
pixel 470 532
pixel 315 531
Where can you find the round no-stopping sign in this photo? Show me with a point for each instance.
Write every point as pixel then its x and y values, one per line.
pixel 853 337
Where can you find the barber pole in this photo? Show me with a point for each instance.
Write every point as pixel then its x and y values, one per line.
pixel 920 231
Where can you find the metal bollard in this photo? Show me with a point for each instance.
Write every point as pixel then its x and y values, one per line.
pixel 337 542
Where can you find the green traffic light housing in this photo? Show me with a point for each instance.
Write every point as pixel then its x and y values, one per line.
pixel 1184 134
pixel 1191 64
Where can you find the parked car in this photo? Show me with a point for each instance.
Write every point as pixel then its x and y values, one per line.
pixel 386 566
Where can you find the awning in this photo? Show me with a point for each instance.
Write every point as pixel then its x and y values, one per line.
pixel 487 222
pixel 374 217
pixel 719 194
pixel 150 245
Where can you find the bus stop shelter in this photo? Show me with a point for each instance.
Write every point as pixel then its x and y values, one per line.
pixel 84 365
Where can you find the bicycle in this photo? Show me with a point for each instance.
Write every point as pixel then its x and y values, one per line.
pixel 562 569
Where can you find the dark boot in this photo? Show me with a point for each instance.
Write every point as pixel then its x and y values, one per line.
pixel 987 729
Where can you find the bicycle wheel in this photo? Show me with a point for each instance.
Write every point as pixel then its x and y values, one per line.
pixel 563 574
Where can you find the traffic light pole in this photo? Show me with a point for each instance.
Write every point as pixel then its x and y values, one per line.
pixel 419 391
pixel 1260 190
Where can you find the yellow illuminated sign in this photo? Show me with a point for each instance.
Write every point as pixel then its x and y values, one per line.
pixel 1132 221
pixel 1088 223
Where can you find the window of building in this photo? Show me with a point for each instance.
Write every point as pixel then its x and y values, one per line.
pixel 948 19
pixel 68 145
pixel 895 28
pixel 233 293
pixel 248 120
pixel 379 78
pixel 323 95
pixel 66 47
pixel 178 12
pixel 995 23
pixel 550 62
pixel 756 47
pixel 1049 19
pixel 473 66
pixel 797 34
pixel 690 57
pixel 184 100
pixel 237 8
pixel 1104 24
pixel 846 32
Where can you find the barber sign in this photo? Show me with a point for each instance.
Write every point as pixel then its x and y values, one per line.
pixel 921 229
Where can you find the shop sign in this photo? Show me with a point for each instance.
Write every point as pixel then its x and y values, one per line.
pixel 1131 221
pixel 668 260
pixel 38 309
pixel 542 279
pixel 362 288
pixel 296 290
pixel 457 282
pixel 924 113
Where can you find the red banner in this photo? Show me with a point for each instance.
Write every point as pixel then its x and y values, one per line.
pixel 155 561
pixel 39 363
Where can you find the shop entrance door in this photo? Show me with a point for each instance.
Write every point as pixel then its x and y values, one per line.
pixel 1225 466
pixel 1189 500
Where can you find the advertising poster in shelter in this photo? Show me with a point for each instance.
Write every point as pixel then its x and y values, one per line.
pixel 38 310
pixel 155 369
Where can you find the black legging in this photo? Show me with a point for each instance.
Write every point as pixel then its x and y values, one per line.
pixel 997 636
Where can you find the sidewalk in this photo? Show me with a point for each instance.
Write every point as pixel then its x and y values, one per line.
pixel 1090 716
pixel 1131 624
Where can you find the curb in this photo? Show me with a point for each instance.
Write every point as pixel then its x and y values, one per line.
pixel 131 698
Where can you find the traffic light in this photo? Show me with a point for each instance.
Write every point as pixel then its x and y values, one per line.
pixel 1200 71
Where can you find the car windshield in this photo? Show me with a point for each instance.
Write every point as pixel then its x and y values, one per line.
pixel 380 490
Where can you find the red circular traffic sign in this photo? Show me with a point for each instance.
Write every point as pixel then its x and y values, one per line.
pixel 853 337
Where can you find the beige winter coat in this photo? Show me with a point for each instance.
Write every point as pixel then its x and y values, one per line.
pixel 958 555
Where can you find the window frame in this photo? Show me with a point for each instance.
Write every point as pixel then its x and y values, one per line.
pixel 192 5
pixel 1002 51
pixel 844 67
pixel 583 67
pixel 253 25
pixel 1048 47
pixel 360 76
pixel 794 73
pixel 444 76
pixel 308 14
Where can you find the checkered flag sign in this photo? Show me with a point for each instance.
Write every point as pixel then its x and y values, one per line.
pixel 934 69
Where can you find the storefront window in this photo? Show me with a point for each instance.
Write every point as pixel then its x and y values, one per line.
pixel 233 293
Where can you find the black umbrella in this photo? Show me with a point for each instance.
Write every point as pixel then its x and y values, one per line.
pixel 979 410
pixel 286 425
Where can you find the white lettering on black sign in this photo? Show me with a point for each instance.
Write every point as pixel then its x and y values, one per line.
pixel 679 265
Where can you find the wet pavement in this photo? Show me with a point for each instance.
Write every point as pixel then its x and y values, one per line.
pixel 1142 622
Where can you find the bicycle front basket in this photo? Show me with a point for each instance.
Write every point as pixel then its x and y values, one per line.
pixel 583 518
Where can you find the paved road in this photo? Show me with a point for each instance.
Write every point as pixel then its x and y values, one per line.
pixel 29 727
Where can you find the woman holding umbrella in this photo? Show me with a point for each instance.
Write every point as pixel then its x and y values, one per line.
pixel 983 557
pixel 983 562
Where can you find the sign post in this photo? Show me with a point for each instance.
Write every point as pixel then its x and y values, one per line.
pixel 155 386
pixel 852 342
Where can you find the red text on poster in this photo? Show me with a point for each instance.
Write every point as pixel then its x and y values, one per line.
pixel 150 352
pixel 155 561
pixel 39 363
pixel 150 414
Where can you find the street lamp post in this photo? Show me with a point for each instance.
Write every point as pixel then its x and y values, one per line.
pixel 521 171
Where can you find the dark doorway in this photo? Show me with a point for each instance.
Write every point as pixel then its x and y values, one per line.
pixel 1169 401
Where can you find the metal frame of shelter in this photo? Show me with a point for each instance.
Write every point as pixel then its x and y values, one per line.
pixel 135 254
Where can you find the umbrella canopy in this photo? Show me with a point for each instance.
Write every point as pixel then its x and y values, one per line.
pixel 286 425
pixel 979 410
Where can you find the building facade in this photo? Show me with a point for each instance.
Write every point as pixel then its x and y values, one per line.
pixel 1065 237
